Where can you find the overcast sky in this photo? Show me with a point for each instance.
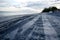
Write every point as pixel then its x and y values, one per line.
pixel 34 5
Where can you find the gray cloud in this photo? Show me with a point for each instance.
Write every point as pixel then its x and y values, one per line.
pixel 35 5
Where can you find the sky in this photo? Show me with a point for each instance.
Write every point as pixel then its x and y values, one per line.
pixel 34 6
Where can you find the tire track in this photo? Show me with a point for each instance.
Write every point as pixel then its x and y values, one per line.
pixel 38 32
pixel 49 31
pixel 18 24
pixel 26 29
pixel 55 22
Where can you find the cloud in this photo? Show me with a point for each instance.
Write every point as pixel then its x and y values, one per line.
pixel 21 10
pixel 57 4
pixel 37 5
pixel 22 3
pixel 18 11
pixel 27 5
